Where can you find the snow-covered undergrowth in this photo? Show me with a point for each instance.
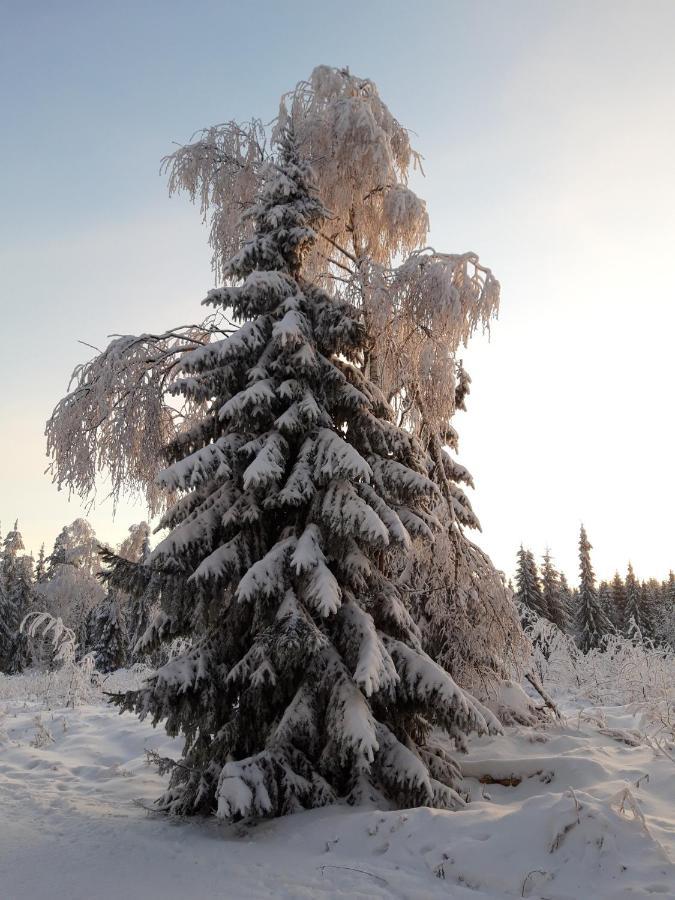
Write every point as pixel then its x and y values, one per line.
pixel 629 673
pixel 560 812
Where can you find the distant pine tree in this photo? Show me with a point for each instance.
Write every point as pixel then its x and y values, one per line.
pixel 592 624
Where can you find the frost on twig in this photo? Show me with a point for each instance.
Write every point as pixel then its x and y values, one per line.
pixel 119 415
pixel 75 675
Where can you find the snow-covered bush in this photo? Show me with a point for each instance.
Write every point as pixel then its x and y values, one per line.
pixel 71 680
pixel 623 672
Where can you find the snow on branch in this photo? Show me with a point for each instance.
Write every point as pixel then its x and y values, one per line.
pixel 118 415
pixel 360 156
pixel 222 168
pixel 419 314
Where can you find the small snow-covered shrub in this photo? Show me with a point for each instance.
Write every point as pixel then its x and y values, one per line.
pixel 43 736
pixel 70 681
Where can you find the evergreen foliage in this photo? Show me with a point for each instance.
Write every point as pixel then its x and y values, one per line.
pixel 633 615
pixel 41 566
pixel 16 591
pixel 528 586
pixel 553 598
pixel 592 624
pixel 305 679
pixel 108 634
pixel 143 606
pixel 618 602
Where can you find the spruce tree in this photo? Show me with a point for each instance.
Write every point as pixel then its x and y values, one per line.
pixel 142 607
pixel 648 602
pixel 605 599
pixel 15 600
pixel 618 602
pixel 569 602
pixel 305 679
pixel 633 617
pixel 528 587
pixel 592 623
pixel 552 594
pixel 108 634
pixel 41 566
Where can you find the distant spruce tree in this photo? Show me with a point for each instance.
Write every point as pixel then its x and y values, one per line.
pixel 650 597
pixel 528 586
pixel 618 602
pixel 633 612
pixel 664 619
pixel 143 605
pixel 107 632
pixel 553 597
pixel 16 593
pixel 304 679
pixel 41 566
pixel 568 597
pixel 592 623
pixel 606 599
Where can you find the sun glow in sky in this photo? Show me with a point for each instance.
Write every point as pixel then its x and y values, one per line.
pixel 549 141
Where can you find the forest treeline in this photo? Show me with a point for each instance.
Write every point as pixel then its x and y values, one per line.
pixel 626 605
pixel 67 583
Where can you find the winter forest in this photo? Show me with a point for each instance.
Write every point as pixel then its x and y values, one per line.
pixel 302 675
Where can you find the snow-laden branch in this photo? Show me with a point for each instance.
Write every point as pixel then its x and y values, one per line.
pixel 118 417
pixel 222 167
pixel 419 314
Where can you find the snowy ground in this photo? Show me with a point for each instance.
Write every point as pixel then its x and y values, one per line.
pixel 71 826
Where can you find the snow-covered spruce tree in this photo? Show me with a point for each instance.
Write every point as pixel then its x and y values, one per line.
pixel 142 602
pixel 633 609
pixel 305 680
pixel 41 566
pixel 664 616
pixel 592 624
pixel 528 586
pixel 108 633
pixel 16 594
pixel 552 593
pixel 142 608
pixel 618 603
pixel 651 597
pixel 606 600
pixel 569 602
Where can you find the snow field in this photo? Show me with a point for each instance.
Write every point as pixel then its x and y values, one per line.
pixel 564 813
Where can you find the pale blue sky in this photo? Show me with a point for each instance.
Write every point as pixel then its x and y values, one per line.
pixel 547 129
